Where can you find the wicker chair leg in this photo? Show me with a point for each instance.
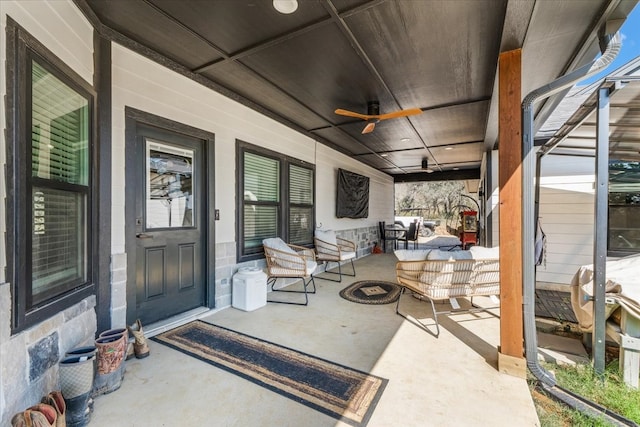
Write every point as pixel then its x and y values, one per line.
pixel 353 268
pixel 416 321
pixel 339 273
pixel 305 283
pixel 326 271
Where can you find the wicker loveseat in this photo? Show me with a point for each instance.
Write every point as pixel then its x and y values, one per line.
pixel 446 275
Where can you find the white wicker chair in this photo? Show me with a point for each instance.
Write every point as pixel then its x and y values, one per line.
pixel 330 248
pixel 289 261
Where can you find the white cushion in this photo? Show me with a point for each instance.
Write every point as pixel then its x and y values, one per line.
pixel 311 267
pixel 347 255
pixel 438 255
pixel 328 236
pixel 278 244
pixel 409 255
pixel 481 252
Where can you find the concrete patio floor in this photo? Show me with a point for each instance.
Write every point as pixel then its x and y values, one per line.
pixel 446 381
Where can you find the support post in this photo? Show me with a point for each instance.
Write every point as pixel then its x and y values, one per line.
pixel 600 230
pixel 510 358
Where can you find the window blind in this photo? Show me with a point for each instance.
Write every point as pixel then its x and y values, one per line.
pixel 301 221
pixel 261 200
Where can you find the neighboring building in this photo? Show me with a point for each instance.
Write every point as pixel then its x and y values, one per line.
pixel 567 182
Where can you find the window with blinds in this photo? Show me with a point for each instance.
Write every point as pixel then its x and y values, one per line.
pixel 277 200
pixel 261 201
pixel 59 186
pixel 51 262
pixel 300 205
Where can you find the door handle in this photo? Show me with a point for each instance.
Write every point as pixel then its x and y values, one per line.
pixel 144 236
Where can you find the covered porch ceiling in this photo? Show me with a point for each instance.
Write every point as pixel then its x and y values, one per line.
pixel 438 56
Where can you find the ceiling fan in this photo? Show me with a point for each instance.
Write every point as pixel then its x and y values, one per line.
pixel 373 115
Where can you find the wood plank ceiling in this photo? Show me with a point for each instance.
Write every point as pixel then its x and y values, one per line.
pixel 439 56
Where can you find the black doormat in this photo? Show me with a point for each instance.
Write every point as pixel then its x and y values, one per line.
pixel 371 292
pixel 555 305
pixel 338 391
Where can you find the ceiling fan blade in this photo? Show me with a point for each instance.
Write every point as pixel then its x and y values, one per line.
pixel 352 114
pixel 369 127
pixel 401 113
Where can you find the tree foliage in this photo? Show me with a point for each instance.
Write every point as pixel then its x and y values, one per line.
pixel 432 200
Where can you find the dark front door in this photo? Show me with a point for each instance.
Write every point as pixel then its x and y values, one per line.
pixel 170 224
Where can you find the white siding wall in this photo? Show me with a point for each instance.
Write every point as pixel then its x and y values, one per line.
pixel 147 86
pixel 381 191
pixel 60 27
pixel 567 215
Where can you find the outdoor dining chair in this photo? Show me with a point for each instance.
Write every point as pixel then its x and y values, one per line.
pixel 289 261
pixel 411 235
pixel 386 234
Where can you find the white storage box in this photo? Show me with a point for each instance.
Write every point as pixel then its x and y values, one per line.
pixel 249 289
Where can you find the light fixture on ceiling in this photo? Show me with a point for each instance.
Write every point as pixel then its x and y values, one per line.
pixel 285 6
pixel 425 164
pixel 448 148
pixel 405 140
pixel 383 155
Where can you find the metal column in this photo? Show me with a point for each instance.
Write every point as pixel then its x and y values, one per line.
pixel 600 230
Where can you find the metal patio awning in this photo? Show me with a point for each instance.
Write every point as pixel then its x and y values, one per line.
pixel 605 127
pixel 577 137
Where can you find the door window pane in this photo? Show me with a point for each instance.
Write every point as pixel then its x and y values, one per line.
pixel 169 201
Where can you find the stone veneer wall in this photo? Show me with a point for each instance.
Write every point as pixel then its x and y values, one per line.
pixel 364 237
pixel 29 359
pixel 226 265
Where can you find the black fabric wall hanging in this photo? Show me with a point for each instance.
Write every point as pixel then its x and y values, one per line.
pixel 352 196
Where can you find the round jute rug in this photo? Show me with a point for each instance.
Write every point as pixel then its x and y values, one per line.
pixel 371 292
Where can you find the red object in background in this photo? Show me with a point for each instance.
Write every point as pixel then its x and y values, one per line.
pixel 376 249
pixel 468 232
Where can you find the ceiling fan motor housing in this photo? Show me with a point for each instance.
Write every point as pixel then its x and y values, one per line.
pixel 373 108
